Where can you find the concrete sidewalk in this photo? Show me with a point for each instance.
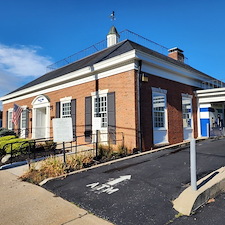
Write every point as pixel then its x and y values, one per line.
pixel 23 203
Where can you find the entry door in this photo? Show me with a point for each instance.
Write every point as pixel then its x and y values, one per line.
pixel 40 130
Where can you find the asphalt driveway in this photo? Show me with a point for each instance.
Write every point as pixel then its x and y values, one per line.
pixel 140 190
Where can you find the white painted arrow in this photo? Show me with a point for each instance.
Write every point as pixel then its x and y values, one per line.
pixel 118 180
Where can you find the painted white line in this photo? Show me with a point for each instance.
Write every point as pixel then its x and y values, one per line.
pixel 107 187
pixel 120 179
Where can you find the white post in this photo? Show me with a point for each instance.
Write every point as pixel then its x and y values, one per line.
pixel 207 131
pixel 193 164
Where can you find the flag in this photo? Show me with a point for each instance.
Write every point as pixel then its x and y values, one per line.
pixel 16 114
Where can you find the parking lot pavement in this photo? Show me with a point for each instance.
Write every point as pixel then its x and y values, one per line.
pixel 140 190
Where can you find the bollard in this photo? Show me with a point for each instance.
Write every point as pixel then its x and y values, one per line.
pixel 193 164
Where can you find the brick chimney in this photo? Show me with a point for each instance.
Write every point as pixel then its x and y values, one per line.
pixel 176 53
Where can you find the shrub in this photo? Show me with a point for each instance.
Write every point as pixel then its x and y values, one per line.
pixel 6 132
pixel 17 148
pixel 5 138
pixel 105 152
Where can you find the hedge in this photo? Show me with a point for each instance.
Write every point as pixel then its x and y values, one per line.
pixel 6 132
pixel 15 147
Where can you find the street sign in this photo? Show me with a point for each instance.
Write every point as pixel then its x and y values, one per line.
pixel 62 129
pixel 97 123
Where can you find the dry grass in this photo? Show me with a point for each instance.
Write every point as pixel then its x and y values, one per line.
pixel 54 166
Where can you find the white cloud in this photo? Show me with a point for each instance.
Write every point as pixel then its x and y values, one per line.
pixel 22 60
pixel 19 65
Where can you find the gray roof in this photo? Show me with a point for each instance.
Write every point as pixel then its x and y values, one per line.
pixel 115 50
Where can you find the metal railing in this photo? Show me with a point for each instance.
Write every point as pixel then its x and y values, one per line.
pixel 125 34
pixel 43 147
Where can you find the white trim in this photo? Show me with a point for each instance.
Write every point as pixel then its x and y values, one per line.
pixel 10 110
pixel 160 134
pixel 40 101
pixel 66 99
pixel 88 71
pixel 103 136
pixel 159 90
pixel 37 105
pixel 186 96
pixel 63 101
pixel 24 107
pixel 74 83
pixel 100 92
pixel 164 69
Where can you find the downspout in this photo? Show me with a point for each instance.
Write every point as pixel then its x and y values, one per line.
pixel 139 105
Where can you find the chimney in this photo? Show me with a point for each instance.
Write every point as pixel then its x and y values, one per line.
pixel 176 53
pixel 112 37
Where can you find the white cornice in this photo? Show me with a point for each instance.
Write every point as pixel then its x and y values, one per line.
pixel 162 68
pixel 87 72
pixel 111 72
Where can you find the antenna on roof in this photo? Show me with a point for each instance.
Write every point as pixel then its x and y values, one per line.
pixel 112 16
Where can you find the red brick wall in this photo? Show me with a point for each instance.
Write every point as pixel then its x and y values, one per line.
pixel 122 84
pixel 174 109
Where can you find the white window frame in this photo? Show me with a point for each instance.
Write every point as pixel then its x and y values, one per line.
pixel 21 117
pixel 163 93
pixel 10 123
pixel 103 108
pixel 189 123
pixel 100 109
pixel 66 100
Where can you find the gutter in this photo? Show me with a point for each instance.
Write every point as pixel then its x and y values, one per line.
pixel 139 105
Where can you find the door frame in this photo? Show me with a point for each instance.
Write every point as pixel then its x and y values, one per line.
pixel 41 101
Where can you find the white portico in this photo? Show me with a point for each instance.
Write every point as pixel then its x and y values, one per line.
pixel 211 110
pixel 41 117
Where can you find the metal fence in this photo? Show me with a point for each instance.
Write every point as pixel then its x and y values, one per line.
pixel 41 148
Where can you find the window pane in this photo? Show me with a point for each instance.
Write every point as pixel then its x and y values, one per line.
pixel 187 112
pixel 66 110
pixel 23 119
pixel 101 110
pixel 159 110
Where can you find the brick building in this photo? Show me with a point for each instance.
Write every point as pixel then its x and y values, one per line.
pixel 146 97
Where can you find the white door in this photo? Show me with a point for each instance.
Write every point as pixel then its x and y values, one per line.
pixel 40 130
pixel 100 118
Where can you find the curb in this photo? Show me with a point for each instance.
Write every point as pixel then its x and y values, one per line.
pixel 208 187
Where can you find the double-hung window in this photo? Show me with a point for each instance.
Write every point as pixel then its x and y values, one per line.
pixel 23 119
pixel 187 112
pixel 100 109
pixel 10 124
pixel 65 107
pixel 159 110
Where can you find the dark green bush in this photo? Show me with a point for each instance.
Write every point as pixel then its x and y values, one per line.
pixel 6 132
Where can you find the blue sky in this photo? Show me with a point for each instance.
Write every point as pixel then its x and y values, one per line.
pixel 34 34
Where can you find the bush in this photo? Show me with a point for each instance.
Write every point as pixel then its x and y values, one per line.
pixel 17 148
pixel 5 138
pixel 6 132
